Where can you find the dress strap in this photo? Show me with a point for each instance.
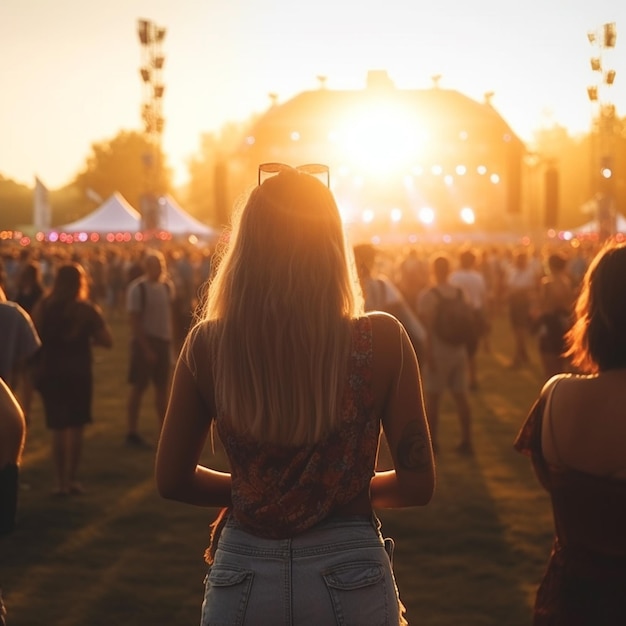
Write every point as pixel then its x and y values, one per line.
pixel 548 417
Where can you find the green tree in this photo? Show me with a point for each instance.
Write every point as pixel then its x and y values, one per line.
pixel 128 164
pixel 207 195
pixel 16 204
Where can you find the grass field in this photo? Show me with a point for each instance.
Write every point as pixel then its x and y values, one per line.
pixel 121 555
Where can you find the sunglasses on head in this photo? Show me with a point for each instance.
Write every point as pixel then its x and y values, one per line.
pixel 320 171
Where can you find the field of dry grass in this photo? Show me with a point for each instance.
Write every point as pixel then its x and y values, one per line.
pixel 121 555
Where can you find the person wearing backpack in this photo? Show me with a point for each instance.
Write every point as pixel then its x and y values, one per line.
pixel 447 316
pixel 473 283
pixel 149 305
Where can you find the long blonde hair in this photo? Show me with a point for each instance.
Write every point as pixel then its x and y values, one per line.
pixel 279 312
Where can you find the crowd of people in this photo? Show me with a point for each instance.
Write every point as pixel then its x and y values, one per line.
pixel 299 355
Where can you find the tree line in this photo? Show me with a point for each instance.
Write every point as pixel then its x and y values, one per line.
pixel 129 164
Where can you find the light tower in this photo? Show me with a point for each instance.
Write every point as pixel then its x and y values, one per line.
pixel 151 38
pixel 603 133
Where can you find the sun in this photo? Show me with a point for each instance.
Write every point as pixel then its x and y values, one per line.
pixel 380 137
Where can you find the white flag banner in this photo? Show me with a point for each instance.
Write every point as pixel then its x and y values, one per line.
pixel 93 195
pixel 41 207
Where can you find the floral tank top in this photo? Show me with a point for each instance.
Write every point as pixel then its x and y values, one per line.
pixel 279 491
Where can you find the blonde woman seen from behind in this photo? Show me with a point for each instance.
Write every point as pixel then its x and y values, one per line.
pixel 298 382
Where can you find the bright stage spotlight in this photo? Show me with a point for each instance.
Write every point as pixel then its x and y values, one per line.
pixel 367 216
pixel 467 215
pixel 395 215
pixel 426 215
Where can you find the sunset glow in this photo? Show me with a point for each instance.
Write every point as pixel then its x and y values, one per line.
pixel 381 138
pixel 71 71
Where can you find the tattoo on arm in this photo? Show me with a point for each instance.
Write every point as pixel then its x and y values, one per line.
pixel 413 449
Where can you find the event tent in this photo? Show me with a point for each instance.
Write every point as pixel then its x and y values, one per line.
pixel 592 226
pixel 178 222
pixel 114 215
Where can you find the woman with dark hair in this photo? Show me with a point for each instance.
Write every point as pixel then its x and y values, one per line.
pixel 298 382
pixel 29 287
pixel 575 435
pixel 68 325
pixel 556 302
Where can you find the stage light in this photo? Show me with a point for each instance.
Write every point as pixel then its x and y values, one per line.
pixel 367 216
pixel 461 170
pixel 609 77
pixel 144 32
pixel 494 178
pixel 596 64
pixel 426 215
pixel 395 215
pixel 610 35
pixel 467 215
pixel 592 92
pixel 153 60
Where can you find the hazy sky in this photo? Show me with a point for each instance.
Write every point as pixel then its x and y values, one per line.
pixel 69 69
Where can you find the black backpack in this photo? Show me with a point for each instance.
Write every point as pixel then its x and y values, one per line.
pixel 454 322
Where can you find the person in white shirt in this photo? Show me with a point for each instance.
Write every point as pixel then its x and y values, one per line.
pixel 446 366
pixel 149 304
pixel 473 283
pixel 522 286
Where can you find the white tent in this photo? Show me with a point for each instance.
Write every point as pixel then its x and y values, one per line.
pixel 114 215
pixel 178 222
pixel 592 226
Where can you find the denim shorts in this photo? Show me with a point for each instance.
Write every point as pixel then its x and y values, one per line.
pixel 338 572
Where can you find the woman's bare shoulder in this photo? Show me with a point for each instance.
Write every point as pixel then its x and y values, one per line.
pixel 389 340
pixel 384 325
pixel 588 422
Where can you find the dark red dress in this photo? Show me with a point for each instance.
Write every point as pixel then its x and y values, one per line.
pixel 64 377
pixel 585 580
